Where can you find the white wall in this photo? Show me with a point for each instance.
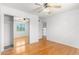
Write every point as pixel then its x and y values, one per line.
pixel 0 35
pixel 64 28
pixel 34 30
pixel 14 12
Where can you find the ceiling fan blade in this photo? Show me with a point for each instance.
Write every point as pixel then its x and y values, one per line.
pixel 41 10
pixel 38 4
pixel 38 9
pixel 57 6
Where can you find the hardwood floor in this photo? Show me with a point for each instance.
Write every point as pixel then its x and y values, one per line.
pixel 43 47
pixel 18 41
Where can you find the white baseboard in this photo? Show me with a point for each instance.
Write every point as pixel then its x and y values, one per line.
pixel 64 43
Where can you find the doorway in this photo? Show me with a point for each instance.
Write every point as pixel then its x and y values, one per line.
pixel 8 32
pixel 16 33
pixel 21 33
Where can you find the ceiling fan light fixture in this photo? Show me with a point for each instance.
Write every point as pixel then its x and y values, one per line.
pixel 46 10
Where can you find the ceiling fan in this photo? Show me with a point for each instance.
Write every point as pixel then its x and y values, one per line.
pixel 47 7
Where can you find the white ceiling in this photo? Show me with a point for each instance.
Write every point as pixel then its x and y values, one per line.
pixel 30 8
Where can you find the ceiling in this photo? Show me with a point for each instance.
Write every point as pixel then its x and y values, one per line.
pixel 30 8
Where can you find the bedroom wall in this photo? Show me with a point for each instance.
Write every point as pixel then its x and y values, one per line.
pixel 34 29
pixel 64 28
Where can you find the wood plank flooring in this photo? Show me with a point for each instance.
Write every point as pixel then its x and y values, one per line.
pixel 43 47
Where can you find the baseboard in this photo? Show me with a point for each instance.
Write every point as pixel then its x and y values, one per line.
pixel 63 43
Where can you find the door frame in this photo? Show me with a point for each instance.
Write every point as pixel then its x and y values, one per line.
pixel 13 30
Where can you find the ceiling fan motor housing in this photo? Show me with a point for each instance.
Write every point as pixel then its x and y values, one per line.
pixel 45 5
